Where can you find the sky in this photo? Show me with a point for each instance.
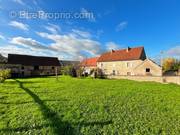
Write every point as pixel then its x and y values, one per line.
pixel 74 30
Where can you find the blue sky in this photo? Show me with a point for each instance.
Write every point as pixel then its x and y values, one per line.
pixel 110 24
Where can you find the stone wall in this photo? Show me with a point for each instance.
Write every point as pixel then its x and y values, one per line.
pixel 161 79
pixel 154 69
pixel 25 71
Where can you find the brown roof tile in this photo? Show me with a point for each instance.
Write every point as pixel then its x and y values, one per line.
pixel 124 54
pixel 90 62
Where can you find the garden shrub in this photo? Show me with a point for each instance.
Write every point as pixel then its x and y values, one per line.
pixel 69 70
pixel 4 74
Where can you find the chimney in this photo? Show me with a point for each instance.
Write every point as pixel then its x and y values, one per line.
pixel 128 49
pixel 112 51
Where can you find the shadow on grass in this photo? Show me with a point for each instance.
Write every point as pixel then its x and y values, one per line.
pixel 29 102
pixel 14 82
pixel 59 127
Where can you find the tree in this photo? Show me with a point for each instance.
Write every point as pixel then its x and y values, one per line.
pixel 66 70
pixel 168 64
pixel 69 70
pixel 4 74
pixel 79 71
pixel 176 65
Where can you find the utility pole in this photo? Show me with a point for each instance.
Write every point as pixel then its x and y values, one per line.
pixel 161 57
pixel 161 53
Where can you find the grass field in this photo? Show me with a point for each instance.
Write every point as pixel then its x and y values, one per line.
pixel 88 106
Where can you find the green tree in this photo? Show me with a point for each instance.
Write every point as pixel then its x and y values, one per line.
pixel 4 74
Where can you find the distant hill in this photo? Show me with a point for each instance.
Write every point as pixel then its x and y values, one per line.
pixel 3 59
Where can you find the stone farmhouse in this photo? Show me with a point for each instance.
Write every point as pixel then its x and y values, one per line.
pixel 126 62
pixel 25 65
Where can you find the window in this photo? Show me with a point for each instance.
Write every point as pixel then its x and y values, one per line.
pixel 53 68
pixel 147 70
pixel 22 67
pixel 101 65
pixel 128 73
pixel 114 72
pixel 127 64
pixel 36 67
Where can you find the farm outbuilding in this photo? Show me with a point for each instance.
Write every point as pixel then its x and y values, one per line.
pixel 26 65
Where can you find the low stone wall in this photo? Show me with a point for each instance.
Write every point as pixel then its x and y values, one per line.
pixel 161 79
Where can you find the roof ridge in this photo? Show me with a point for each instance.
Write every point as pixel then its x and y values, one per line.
pixel 123 54
pixel 31 55
pixel 126 48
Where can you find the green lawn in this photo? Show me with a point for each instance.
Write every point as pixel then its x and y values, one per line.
pixel 88 106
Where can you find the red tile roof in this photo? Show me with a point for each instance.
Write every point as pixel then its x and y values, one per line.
pixel 124 54
pixel 90 62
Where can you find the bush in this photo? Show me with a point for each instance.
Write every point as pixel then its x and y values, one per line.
pixel 66 70
pixel 171 64
pixel 4 74
pixel 79 72
pixel 73 72
pixel 99 74
pixel 69 70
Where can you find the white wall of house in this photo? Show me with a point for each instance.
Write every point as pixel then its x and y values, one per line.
pixel 132 67
pixel 148 67
pixel 88 69
pixel 119 67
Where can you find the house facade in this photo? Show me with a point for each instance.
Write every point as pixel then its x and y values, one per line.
pixel 130 61
pixel 25 65
pixel 89 64
pixel 148 68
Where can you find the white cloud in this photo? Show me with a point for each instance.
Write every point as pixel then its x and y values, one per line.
pixel 174 51
pixel 28 42
pixel 6 49
pixel 67 46
pixel 82 34
pixel 19 2
pixel 72 46
pixel 88 15
pixel 112 46
pixel 53 28
pixel 19 25
pixel 2 37
pixel 121 26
